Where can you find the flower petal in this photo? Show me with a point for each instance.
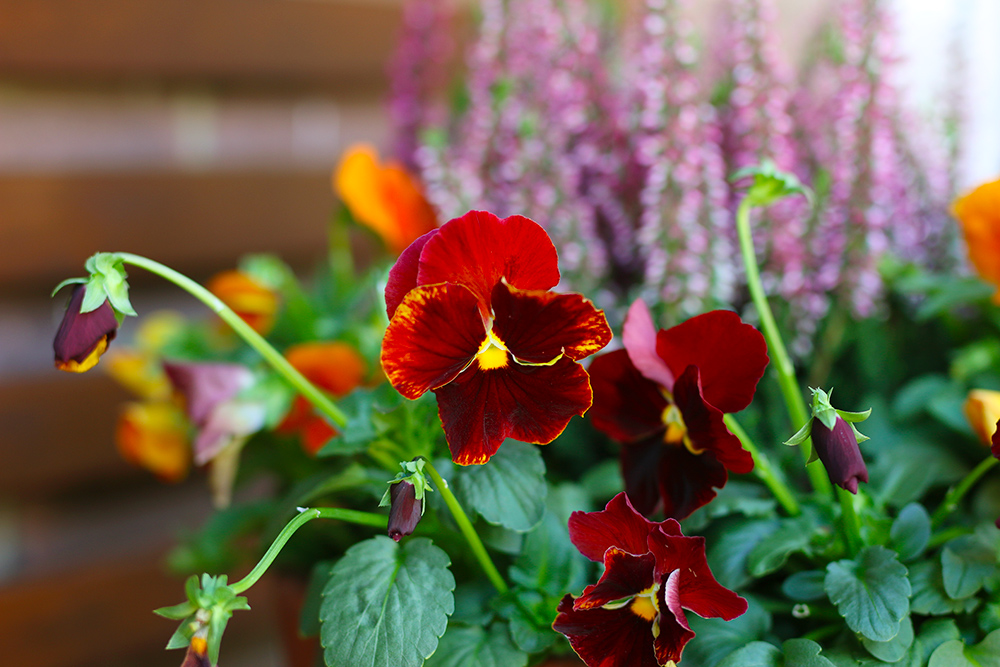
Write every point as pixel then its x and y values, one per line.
pixel 479 409
pixel 627 406
pixel 731 356
pixel 624 575
pixel 83 337
pixel 403 274
pixel 255 303
pixel 639 339
pixel 538 326
pixel 685 480
pixel 605 637
pixel 705 425
pixel 674 631
pixel 206 385
pixel 479 249
pixel 434 334
pixel 154 435
pixel 332 366
pixel 640 463
pixel 618 525
pixel 978 213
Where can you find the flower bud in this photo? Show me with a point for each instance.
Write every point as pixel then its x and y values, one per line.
pixel 405 509
pixel 982 409
pixel 839 452
pixel 83 337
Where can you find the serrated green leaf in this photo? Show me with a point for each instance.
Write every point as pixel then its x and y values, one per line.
pixel 966 563
pixel 871 592
pixel 910 532
pixel 804 653
pixel 715 638
pixel 894 649
pixel 467 646
pixel 727 552
pixel 509 490
pixel 929 596
pixel 805 586
pixel 955 653
pixel 386 605
pixel 770 554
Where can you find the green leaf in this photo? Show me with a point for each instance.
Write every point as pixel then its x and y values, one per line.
pixel 466 646
pixel 804 653
pixel 549 562
pixel 715 638
pixel 359 430
pixel 894 649
pixel 510 489
pixel 910 532
pixel 966 563
pixel 770 554
pixel 386 605
pixel 933 633
pixel 728 551
pixel 929 596
pixel 793 653
pixel 871 592
pixel 955 653
pixel 531 615
pixel 805 586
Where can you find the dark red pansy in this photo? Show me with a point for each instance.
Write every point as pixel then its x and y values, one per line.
pixel 405 509
pixel 663 399
pixel 472 320
pixel 635 614
pixel 83 337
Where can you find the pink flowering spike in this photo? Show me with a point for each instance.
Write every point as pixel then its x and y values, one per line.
pixel 403 274
pixel 617 525
pixel 607 637
pixel 730 355
pixel 624 575
pixel 639 339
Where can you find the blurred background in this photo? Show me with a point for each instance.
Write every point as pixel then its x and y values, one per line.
pixel 194 131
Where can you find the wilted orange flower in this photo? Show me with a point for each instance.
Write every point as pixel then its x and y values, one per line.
pixel 384 197
pixel 982 409
pixel 978 212
pixel 255 303
pixel 334 367
pixel 154 435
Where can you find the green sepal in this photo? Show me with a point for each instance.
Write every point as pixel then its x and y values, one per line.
pixel 413 472
pixel 107 280
pixel 182 635
pixel 801 435
pixel 852 417
pixel 211 602
pixel 68 281
pixel 822 409
pixel 177 612
pixel 770 184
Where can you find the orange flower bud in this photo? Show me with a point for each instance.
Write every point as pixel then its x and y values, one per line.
pixel 982 409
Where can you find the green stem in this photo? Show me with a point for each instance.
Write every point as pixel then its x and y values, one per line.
pixel 947 535
pixel 762 468
pixel 304 517
pixel 467 530
pixel 782 362
pixel 246 332
pixel 956 494
pixel 850 521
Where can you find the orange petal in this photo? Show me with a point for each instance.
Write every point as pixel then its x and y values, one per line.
pixel 332 366
pixel 982 409
pixel 154 436
pixel 978 213
pixel 255 303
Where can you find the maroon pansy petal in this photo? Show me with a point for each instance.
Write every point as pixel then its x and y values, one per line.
pixel 403 274
pixel 627 406
pixel 674 631
pixel 624 575
pixel 685 480
pixel 699 591
pixel 617 525
pixel 538 326
pixel 606 637
pixel 80 333
pixel 640 463
pixel 479 249
pixel 995 440
pixel 205 386
pixel 639 339
pixel 480 409
pixel 731 356
pixel 435 333
pixel 705 424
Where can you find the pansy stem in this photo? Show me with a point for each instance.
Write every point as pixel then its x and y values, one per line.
pixel 782 362
pixel 465 526
pixel 304 517
pixel 850 523
pixel 246 332
pixel 762 468
pixel 955 495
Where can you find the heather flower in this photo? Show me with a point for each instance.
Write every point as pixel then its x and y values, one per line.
pixel 635 616
pixel 473 319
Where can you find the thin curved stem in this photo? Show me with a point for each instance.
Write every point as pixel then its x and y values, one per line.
pixel 246 332
pixel 851 522
pixel 956 494
pixel 762 469
pixel 304 517
pixel 467 530
pixel 783 365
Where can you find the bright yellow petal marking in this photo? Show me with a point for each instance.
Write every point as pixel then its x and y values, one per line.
pixel 492 353
pixel 677 432
pixel 88 363
pixel 643 607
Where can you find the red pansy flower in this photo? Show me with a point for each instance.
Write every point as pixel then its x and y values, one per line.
pixel 473 320
pixel 635 615
pixel 663 398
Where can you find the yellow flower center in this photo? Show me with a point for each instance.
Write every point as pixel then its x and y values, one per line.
pixel 676 433
pixel 644 607
pixel 492 353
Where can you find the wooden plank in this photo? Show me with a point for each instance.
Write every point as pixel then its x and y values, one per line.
pixel 277 41
pixel 198 223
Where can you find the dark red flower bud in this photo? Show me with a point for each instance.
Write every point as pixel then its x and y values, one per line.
pixel 839 452
pixel 83 337
pixel 405 510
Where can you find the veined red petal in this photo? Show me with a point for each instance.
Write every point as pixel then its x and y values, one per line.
pixel 538 326
pixel 434 334
pixel 627 406
pixel 618 525
pixel 479 409
pixel 403 274
pixel 731 356
pixel 605 637
pixel 674 631
pixel 705 425
pixel 624 575
pixel 639 339
pixel 479 249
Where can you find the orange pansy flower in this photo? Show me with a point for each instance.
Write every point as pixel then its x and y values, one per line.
pixel 154 435
pixel 978 213
pixel 982 409
pixel 383 197
pixel 255 303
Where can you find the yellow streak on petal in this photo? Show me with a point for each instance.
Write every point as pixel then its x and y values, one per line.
pixel 643 607
pixel 72 366
pixel 492 353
